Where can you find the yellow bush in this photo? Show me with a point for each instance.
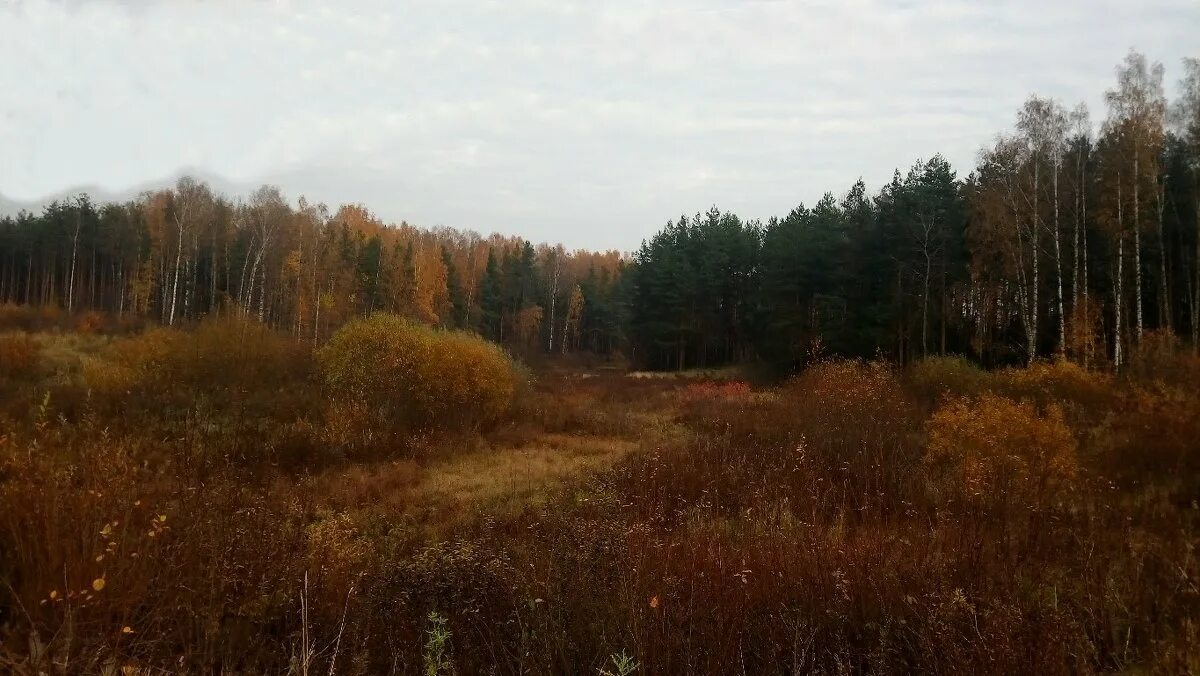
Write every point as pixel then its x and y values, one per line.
pixel 409 376
pixel 219 353
pixel 234 361
pixel 934 377
pixel 1000 446
pixel 1060 382
pixel 337 554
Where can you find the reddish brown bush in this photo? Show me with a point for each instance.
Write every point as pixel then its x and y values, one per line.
pixel 90 321
pixel 19 356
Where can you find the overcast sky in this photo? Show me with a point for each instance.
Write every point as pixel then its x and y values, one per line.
pixel 589 123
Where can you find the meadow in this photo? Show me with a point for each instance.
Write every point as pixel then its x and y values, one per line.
pixel 223 499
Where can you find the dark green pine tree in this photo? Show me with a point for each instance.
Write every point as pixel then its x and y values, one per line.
pixel 662 313
pixel 369 277
pixel 864 277
pixel 491 299
pixel 454 290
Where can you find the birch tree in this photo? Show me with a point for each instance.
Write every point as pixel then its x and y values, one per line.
pixel 1004 233
pixel 1043 125
pixel 1080 150
pixel 1138 106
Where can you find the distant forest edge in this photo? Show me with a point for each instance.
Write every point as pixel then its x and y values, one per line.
pixel 1065 240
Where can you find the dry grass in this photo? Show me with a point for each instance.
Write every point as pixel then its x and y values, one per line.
pixel 518 475
pixel 852 520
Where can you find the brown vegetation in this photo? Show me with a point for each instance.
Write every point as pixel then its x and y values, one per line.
pixel 187 501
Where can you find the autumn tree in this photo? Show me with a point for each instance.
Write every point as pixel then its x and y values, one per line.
pixel 1136 114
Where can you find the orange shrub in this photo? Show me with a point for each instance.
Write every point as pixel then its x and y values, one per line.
pixel 999 446
pixel 401 375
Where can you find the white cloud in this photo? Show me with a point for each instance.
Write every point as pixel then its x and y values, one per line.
pixel 587 122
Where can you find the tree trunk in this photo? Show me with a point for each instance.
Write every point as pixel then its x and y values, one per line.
pixel 553 295
pixel 1120 278
pixel 899 311
pixel 1119 291
pixel 1137 247
pixel 212 270
pixel 1075 249
pixel 74 252
pixel 241 297
pixel 1032 332
pixel 1062 317
pixel 925 308
pixel 1196 264
pixel 262 293
pixel 944 312
pixel 1165 286
pixel 175 283
pixel 1033 305
pixel 1087 352
pixel 316 310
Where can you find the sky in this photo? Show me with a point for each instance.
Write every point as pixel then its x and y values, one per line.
pixel 587 123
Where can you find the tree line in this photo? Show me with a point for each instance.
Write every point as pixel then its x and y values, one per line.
pixel 1067 239
pixel 176 255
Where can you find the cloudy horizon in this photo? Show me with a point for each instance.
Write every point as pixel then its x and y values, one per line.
pixel 579 123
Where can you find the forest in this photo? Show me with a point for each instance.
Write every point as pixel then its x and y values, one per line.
pixel 950 426
pixel 1070 237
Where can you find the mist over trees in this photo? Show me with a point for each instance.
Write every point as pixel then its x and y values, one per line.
pixel 1068 239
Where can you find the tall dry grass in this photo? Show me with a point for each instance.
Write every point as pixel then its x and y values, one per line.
pixel 202 518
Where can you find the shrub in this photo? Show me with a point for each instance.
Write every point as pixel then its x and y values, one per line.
pixel 1084 395
pixel 30 317
pixel 843 428
pixel 398 375
pixel 89 322
pixel 222 353
pixel 224 365
pixel 1153 438
pixel 934 377
pixel 1161 357
pixel 102 549
pixel 846 399
pixel 19 356
pixel 999 446
pixel 711 389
